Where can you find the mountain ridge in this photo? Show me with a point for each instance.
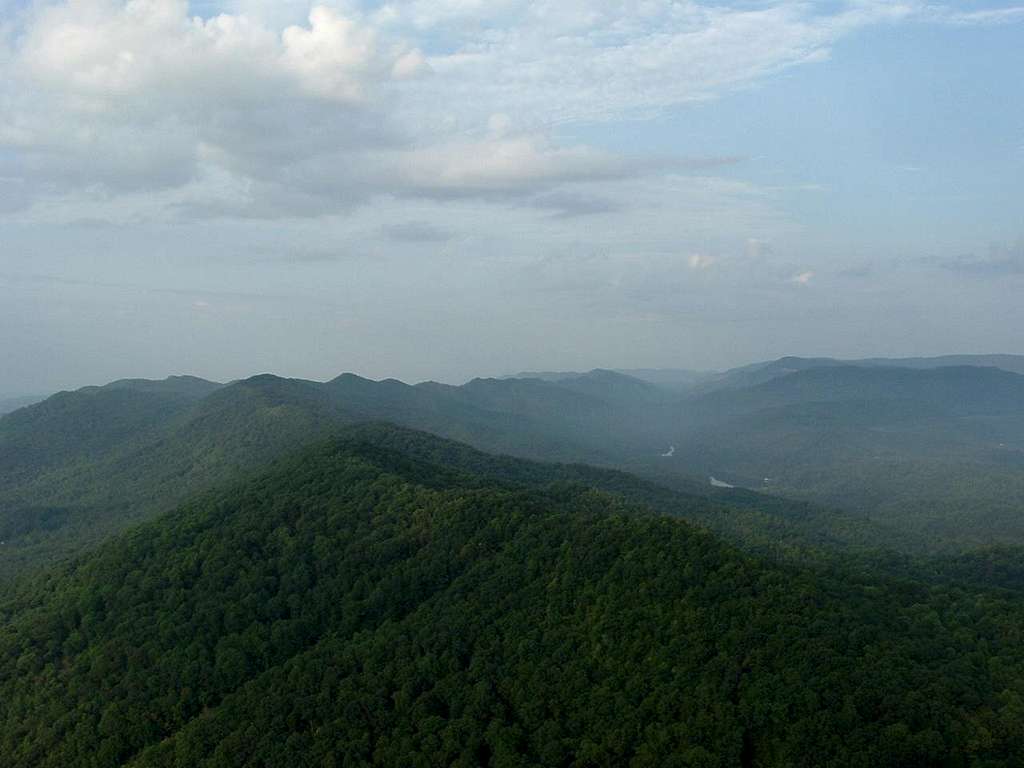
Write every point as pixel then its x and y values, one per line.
pixel 357 604
pixel 84 464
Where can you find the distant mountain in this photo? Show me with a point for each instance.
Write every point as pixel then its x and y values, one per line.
pixel 552 376
pixel 669 378
pixel 672 378
pixel 927 457
pixel 941 391
pixel 1012 363
pixel 758 373
pixel 372 600
pixel 613 386
pixel 183 386
pixel 938 452
pixel 79 424
pixel 83 465
pixel 680 379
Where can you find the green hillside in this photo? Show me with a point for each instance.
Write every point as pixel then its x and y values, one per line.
pixel 83 465
pixel 52 510
pixel 360 605
pixel 915 459
pixel 936 454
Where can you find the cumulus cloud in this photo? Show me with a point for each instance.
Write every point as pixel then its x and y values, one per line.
pixel 240 119
pixel 252 110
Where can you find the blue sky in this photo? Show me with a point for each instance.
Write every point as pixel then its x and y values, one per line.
pixel 894 127
pixel 454 188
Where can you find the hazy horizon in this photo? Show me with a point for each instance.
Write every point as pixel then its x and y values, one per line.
pixel 43 390
pixel 440 190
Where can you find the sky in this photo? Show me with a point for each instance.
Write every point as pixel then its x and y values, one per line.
pixel 441 189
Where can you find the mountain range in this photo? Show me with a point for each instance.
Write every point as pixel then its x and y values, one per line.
pixel 926 458
pixel 518 571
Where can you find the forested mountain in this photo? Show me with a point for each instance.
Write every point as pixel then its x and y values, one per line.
pixel 882 396
pixel 83 464
pixel 373 601
pixel 682 379
pixel 758 373
pixel 675 379
pixel 1012 363
pixel 939 453
pixel 148 450
pixel 928 458
pixel 78 424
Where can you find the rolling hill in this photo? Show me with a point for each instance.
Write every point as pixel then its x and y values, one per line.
pixel 362 603
pixel 916 458
pixel 151 446
pixel 938 453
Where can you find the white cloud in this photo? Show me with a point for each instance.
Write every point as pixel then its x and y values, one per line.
pixel 118 97
pixel 287 109
pixel 338 58
pixel 990 16
pixel 503 164
pixel 550 61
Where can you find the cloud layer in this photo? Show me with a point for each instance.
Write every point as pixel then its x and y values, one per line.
pixel 154 110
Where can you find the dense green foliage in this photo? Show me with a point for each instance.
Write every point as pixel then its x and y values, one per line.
pixel 81 466
pixel 935 455
pixel 84 465
pixel 376 602
pixel 929 459
pixel 759 523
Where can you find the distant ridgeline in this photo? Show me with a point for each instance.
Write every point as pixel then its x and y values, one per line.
pixel 914 457
pixel 390 598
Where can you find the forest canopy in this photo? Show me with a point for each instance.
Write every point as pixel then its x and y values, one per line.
pixel 361 605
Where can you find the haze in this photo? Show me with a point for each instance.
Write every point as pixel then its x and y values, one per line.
pixel 452 188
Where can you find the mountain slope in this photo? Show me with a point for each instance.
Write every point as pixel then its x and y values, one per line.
pixel 75 424
pixel 360 606
pixel 948 392
pixel 82 465
pixel 1011 363
pixel 936 453
pixel 934 457
pixel 759 373
pixel 758 523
